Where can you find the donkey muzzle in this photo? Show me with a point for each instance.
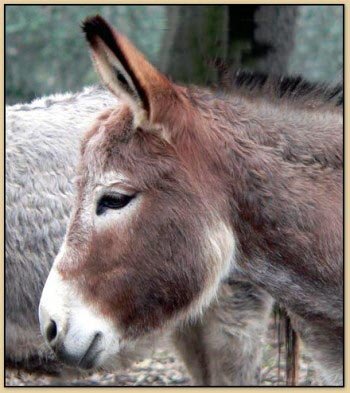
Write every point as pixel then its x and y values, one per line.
pixel 78 334
pixel 70 349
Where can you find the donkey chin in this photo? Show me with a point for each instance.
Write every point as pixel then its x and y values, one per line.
pixel 76 332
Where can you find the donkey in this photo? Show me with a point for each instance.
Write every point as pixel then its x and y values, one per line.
pixel 42 144
pixel 181 188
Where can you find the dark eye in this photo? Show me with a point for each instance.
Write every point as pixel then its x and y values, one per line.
pixel 113 201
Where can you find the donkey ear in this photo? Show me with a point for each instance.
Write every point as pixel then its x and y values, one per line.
pixel 126 72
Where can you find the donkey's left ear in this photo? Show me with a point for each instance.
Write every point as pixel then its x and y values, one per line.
pixel 126 72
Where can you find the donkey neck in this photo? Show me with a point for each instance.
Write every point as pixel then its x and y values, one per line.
pixel 284 169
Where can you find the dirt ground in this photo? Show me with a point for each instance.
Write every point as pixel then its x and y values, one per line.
pixel 164 368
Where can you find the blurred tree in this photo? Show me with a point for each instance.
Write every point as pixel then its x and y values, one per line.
pixel 201 38
pixel 275 30
pixel 195 37
pixel 318 50
pixel 46 52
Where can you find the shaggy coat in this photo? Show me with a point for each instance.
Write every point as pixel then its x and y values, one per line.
pixel 42 145
pixel 181 187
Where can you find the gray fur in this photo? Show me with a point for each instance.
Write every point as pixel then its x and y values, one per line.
pixel 225 348
pixel 42 147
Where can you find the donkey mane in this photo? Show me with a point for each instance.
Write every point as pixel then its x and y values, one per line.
pixel 293 90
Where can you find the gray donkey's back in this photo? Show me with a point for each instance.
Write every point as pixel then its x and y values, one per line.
pixel 42 143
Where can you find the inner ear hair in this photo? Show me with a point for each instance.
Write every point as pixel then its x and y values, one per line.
pixel 128 74
pixel 105 44
pixel 112 72
pixel 122 80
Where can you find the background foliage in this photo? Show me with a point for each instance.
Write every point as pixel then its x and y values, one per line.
pixel 46 53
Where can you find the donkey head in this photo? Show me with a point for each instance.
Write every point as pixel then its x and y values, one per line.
pixel 149 237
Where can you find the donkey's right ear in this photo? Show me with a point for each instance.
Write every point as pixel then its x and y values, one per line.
pixel 126 72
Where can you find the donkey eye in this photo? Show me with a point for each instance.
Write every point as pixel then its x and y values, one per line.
pixel 115 201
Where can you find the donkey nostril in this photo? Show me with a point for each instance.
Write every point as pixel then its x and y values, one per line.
pixel 51 331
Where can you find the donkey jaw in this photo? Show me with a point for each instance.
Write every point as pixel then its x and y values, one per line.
pixel 79 336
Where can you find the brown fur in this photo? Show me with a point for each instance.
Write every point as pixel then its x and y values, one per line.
pixel 170 290
pixel 269 171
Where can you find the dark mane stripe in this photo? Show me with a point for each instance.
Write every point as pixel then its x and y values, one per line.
pixel 291 88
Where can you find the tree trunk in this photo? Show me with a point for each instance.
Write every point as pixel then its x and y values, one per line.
pixel 203 41
pixel 196 37
pixel 275 28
